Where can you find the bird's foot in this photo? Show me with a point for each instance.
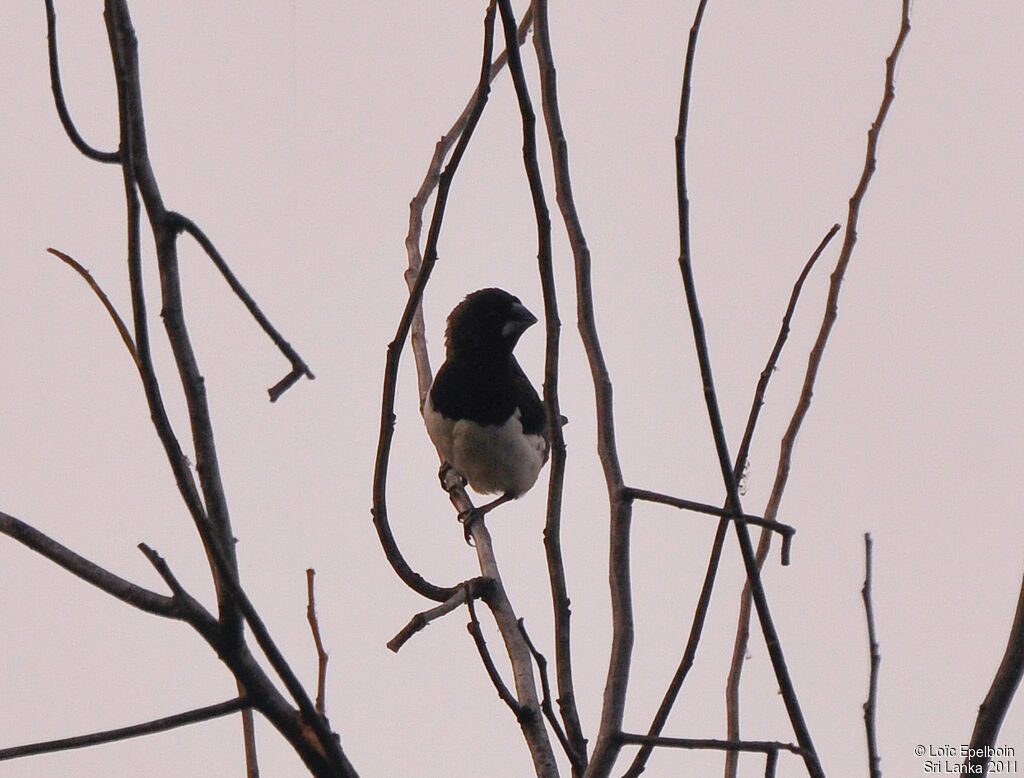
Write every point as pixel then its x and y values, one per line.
pixel 442 476
pixel 468 518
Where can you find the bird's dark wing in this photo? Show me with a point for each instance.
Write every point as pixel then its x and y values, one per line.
pixel 533 414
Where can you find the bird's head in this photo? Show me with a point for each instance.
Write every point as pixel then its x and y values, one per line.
pixel 487 323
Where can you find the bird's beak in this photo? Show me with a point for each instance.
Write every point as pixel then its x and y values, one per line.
pixel 519 320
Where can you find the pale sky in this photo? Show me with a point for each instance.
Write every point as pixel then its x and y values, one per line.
pixel 295 134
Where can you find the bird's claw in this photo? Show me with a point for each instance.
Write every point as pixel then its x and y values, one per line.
pixel 468 518
pixel 442 476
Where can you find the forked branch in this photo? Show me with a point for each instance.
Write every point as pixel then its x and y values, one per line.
pixel 814 363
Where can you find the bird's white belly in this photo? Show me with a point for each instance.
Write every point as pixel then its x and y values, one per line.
pixel 497 458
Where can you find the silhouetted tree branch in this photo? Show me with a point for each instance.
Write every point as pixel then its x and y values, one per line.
pixel 813 365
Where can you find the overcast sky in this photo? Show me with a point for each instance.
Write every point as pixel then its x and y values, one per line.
pixel 296 133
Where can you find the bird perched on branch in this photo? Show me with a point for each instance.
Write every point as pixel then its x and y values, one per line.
pixel 482 413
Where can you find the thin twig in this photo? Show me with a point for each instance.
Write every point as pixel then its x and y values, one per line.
pixel 786 688
pixel 124 733
pixel 299 367
pixel 492 672
pixel 785 530
pixel 410 577
pixel 418 204
pixel 122 328
pixel 704 600
pixel 577 760
pixel 165 572
pixel 196 615
pixel 870 706
pixel 617 680
pixel 814 360
pixel 321 653
pixel 126 591
pixel 470 590
pixel 712 744
pixel 58 95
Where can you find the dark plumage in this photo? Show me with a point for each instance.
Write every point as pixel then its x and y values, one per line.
pixel 481 412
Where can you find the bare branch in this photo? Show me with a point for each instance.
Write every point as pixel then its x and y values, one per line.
pixel 124 733
pixel 520 657
pixel 470 590
pixel 552 531
pixel 58 95
pixel 757 746
pixel 1000 694
pixel 139 175
pixel 814 361
pixel 704 600
pixel 321 653
pixel 874 761
pixel 299 367
pixel 492 672
pixel 122 329
pixel 132 594
pixel 682 503
pixel 419 203
pixel 789 696
pixel 410 577
pixel 578 761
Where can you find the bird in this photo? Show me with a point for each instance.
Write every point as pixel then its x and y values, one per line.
pixel 482 413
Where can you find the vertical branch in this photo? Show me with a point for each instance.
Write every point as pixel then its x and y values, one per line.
pixel 1000 694
pixel 252 765
pixel 321 652
pixel 608 744
pixel 410 577
pixel 874 762
pixel 814 361
pixel 714 415
pixel 581 255
pixel 704 600
pixel 308 733
pixel 528 702
pixel 424 374
pixel 139 176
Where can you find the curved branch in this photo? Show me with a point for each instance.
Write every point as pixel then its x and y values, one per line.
pixel 504 693
pixel 418 204
pixel 1000 694
pixel 122 328
pixel 58 96
pixel 410 577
